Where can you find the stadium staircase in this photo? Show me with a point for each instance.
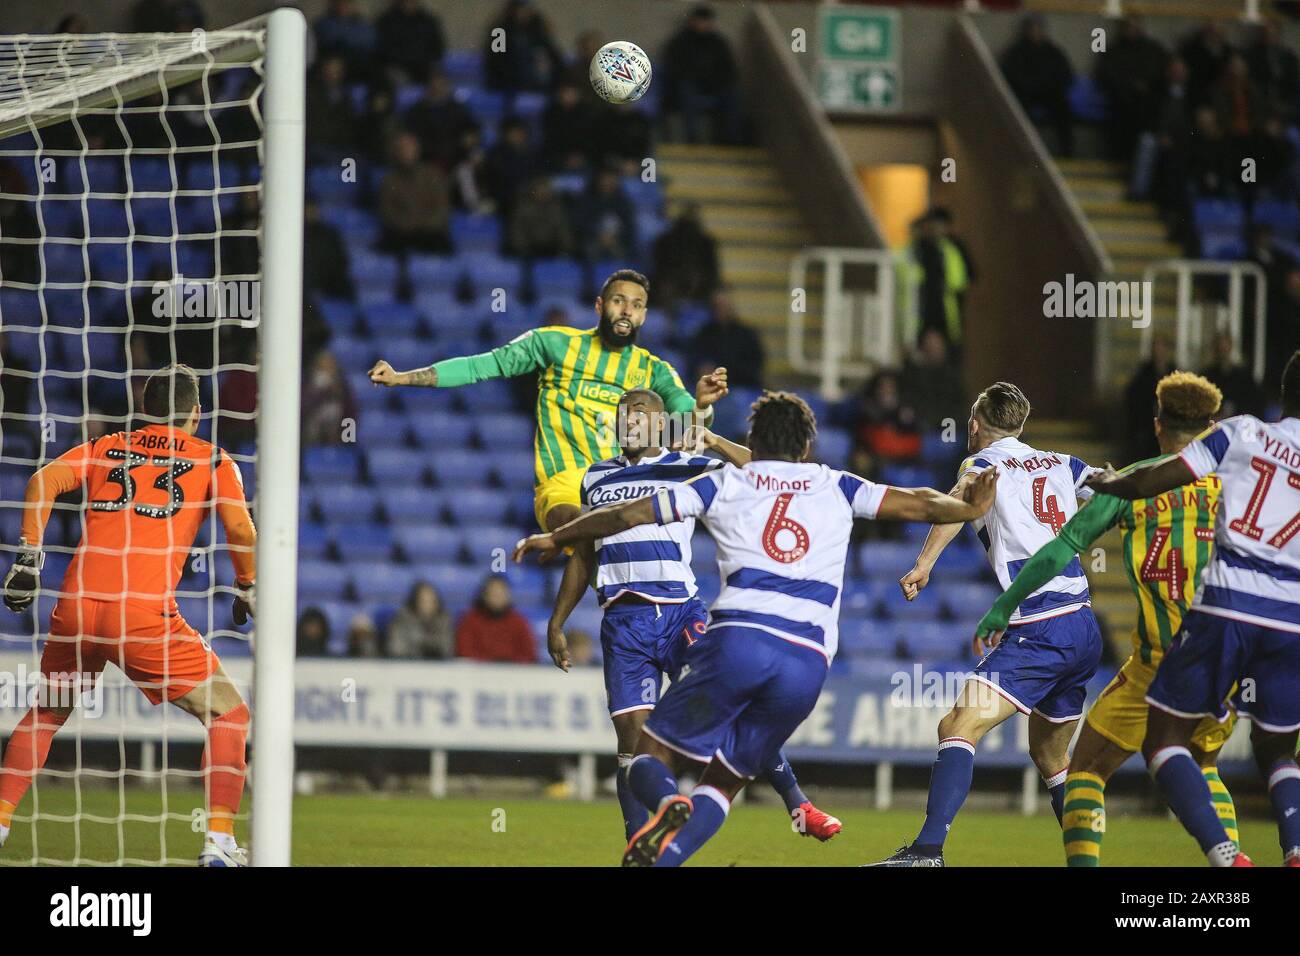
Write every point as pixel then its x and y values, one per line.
pixel 747 209
pixel 1111 598
pixel 1134 237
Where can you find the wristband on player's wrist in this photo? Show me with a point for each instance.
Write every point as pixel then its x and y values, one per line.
pixel 30 555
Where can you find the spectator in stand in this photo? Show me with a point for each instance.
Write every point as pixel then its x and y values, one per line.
pixel 470 186
pixel 1210 171
pixel 684 260
pixel 325 270
pixel 606 218
pixel 1275 70
pixel 331 117
pixel 576 72
pixel 700 78
pixel 509 164
pixel 582 649
pixel 727 342
pixel 409 41
pixel 885 428
pixel 934 272
pixel 414 202
pixel 344 31
pixel 1206 53
pixel 377 124
pixel 363 637
pixel 539 226
pixel 422 629
pixel 1241 394
pixel 1140 400
pixel 236 423
pixel 932 382
pixel 519 55
pixel 313 633
pixel 1236 104
pixel 1131 73
pixel 327 402
pixel 1040 76
pixel 439 120
pixel 569 130
pixel 1161 167
pixel 1275 156
pixel 493 630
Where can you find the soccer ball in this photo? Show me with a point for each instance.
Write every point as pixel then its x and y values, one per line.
pixel 620 72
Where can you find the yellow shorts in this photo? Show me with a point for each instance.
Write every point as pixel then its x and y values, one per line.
pixel 562 488
pixel 1120 713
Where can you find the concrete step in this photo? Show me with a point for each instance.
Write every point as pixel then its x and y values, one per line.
pixel 688 152
pixel 727 191
pixel 1104 168
pixel 1118 207
pixel 1149 249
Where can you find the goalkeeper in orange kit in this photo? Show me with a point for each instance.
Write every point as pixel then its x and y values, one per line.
pixel 145 494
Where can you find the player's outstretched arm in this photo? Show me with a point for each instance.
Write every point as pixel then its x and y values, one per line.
pixel 573 585
pixel 600 523
pixel 241 535
pixel 940 536
pixel 699 439
pixel 54 479
pixel 1092 521
pixel 529 352
pixel 926 504
pixel 1144 481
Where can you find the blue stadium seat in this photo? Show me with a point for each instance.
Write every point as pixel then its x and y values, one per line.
pixel 322 579
pixel 936 642
pixel 513 467
pixel 648 228
pixel 488 106
pixel 474 506
pixel 103 174
pixel 1087 101
pixel 487 543
pixel 107 217
pixel 487 272
pixel 425 543
pixel 196 258
pixel 464 68
pixel 338 613
pixel 434 273
pixel 862 636
pixel 19 307
pixel 967 601
pixel 647 196
pixel 373 269
pixel 499 430
pixel 62 217
pixel 560 278
pixel 529 106
pixel 474 232
pixel 407 466
pixel 883 559
pixel 494 395
pixel 344 502
pixel 907 476
pixel 339 314
pixel 458 467
pixel 63 263
pixel 329 464
pixel 1282 217
pixel 358 227
pixel 326 185
pixel 393 586
pixel 410 504
pixel 391 319
pixel 440 429
pixel 313 541
pixel 961 561
pixel 833 447
pixel 354 352
pixel 384 428
pixel 107 350
pixel 362 541
pixel 458 584
pixel 1224 246
pixel 1219 215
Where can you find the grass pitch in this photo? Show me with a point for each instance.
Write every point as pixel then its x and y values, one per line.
pixel 356 830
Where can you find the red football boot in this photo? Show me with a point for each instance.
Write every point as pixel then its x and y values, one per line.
pixel 817 823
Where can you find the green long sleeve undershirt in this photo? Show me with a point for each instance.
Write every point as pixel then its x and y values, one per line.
pixel 466 370
pixel 1092 521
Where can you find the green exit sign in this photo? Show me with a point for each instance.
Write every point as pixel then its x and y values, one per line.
pixel 864 34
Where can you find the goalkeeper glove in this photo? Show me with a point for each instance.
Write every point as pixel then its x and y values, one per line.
pixel 245 604
pixel 24 578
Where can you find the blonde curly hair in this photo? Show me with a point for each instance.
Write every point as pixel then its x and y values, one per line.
pixel 1187 402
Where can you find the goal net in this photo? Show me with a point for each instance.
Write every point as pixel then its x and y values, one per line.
pixel 142 179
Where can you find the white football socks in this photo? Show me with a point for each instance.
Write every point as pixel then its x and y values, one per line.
pixel 1223 854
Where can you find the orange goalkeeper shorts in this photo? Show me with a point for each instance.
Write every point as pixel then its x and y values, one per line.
pixel 157 650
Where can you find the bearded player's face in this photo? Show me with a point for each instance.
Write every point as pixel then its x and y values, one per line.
pixel 622 313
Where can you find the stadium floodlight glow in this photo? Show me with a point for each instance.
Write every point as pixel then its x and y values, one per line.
pixel 141 157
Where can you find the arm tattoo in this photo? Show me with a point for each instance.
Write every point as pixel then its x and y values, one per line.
pixel 427 377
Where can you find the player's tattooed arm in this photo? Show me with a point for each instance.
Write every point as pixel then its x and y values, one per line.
pixel 941 535
pixel 600 523
pixel 573 585
pixel 943 510
pixel 385 374
pixel 1145 481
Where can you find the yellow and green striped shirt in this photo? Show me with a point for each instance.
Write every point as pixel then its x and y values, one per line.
pixel 579 386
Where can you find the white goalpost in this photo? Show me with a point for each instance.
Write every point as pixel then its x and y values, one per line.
pixel 151 212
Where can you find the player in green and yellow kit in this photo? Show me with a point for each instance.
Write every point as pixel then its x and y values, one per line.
pixel 583 374
pixel 1166 545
